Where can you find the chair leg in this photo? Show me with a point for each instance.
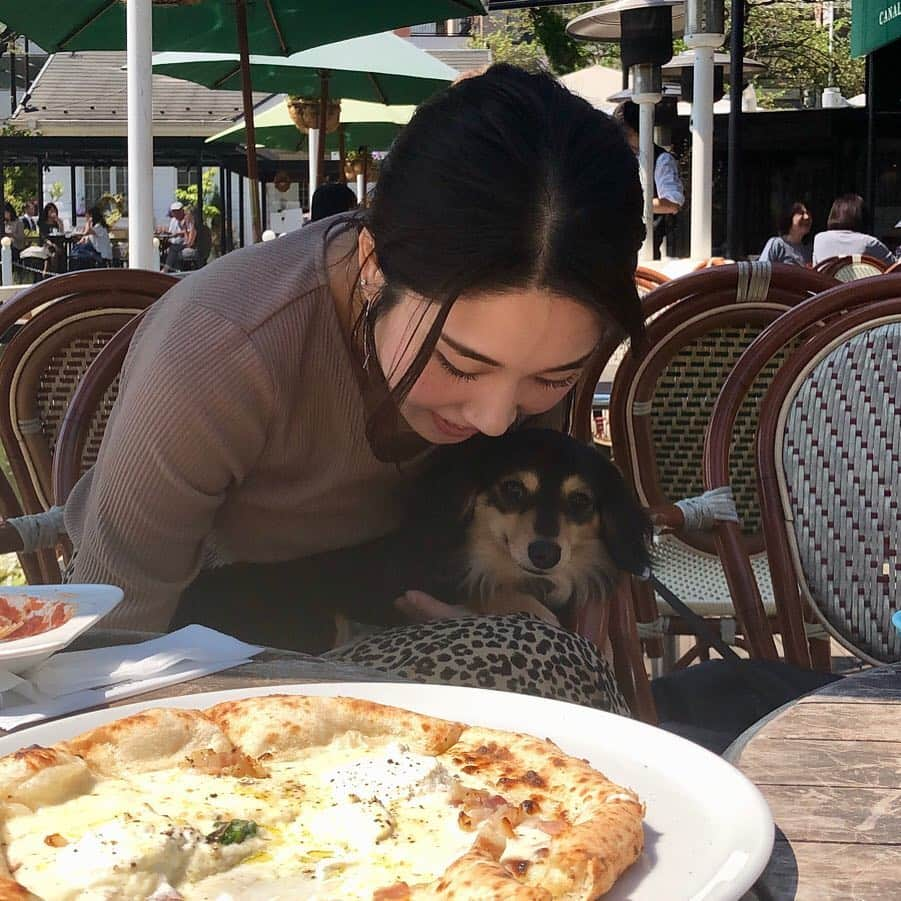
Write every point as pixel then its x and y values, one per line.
pixel 821 654
pixel 628 660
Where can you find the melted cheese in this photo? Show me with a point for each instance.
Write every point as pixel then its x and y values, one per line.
pixel 335 823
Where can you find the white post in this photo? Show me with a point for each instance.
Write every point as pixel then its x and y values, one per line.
pixel 313 151
pixel 704 32
pixel 361 187
pixel 647 89
pixel 157 263
pixel 139 29
pixel 6 260
pixel 702 149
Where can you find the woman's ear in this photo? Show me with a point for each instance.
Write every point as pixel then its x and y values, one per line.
pixel 371 279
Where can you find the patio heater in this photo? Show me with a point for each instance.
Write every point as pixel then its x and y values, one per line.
pixel 682 69
pixel 704 32
pixel 644 29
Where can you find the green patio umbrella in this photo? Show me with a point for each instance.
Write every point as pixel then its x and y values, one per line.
pixel 371 125
pixel 277 27
pixel 381 68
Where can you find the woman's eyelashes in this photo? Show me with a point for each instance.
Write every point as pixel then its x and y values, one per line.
pixel 449 367
pixel 550 384
pixel 557 383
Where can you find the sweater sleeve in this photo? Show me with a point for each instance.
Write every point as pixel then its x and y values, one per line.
pixel 189 423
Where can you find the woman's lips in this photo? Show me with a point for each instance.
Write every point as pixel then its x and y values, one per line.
pixel 450 429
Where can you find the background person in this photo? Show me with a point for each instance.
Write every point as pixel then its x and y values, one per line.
pixel 790 244
pixel 12 226
pixel 845 236
pixel 185 250
pixel 669 194
pixel 331 199
pixel 94 248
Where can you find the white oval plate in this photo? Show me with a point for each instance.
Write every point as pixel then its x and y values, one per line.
pixel 708 830
pixel 91 603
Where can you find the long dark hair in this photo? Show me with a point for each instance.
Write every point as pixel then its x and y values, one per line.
pixel 847 213
pixel 97 217
pixel 787 216
pixel 44 218
pixel 502 181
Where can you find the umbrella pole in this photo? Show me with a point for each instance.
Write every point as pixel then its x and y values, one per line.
pixel 365 174
pixel 138 24
pixel 247 94
pixel 323 125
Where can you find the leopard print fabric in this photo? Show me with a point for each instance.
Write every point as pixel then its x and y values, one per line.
pixel 518 653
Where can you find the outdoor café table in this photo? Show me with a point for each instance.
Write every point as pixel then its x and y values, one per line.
pixel 829 766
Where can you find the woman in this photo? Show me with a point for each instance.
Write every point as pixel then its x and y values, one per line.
pixel 788 245
pixel 49 225
pixel 95 247
pixel 845 237
pixel 13 228
pixel 280 402
pixel 186 250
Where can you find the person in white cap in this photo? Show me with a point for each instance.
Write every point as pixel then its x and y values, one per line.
pixel 176 216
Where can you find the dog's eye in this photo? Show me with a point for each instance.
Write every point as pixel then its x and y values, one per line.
pixel 512 491
pixel 579 503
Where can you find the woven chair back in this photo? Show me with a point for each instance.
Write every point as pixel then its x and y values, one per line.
pixel 851 268
pixel 54 331
pixel 663 395
pixel 837 437
pixel 81 431
pixel 832 317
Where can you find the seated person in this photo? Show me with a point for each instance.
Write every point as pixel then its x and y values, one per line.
pixel 789 244
pixel 331 199
pixel 844 236
pixel 94 248
pixel 186 248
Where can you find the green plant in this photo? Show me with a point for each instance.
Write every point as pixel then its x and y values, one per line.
pixel 211 199
pixel 56 191
pixel 20 182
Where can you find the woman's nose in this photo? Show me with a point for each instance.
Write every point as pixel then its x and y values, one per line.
pixel 492 414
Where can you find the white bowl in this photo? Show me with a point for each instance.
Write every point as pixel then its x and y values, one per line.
pixel 91 602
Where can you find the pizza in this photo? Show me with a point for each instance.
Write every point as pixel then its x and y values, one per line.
pixel 22 617
pixel 294 797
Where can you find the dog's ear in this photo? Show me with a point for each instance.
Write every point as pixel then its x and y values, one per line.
pixel 627 527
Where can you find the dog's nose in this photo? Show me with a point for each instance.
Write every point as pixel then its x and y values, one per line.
pixel 544 554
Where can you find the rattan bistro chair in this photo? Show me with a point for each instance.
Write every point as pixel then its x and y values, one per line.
pixel 851 268
pixel 661 403
pixel 63 323
pixel 828 454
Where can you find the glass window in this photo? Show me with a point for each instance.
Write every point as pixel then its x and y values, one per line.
pixel 96 184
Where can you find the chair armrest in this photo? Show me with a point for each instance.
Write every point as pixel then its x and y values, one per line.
pixel 666 518
pixel 10 539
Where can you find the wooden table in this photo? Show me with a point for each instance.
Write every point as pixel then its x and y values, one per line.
pixel 829 766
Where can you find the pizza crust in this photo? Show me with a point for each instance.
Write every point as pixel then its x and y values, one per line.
pixel 593 826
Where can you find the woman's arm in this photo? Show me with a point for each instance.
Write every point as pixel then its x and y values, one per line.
pixel 189 424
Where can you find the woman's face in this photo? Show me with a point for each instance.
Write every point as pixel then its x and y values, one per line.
pixel 501 354
pixel 52 214
pixel 802 220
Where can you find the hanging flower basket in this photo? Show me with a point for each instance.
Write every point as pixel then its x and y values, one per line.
pixel 353 165
pixel 304 112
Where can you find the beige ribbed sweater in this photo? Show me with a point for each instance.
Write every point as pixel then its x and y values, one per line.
pixel 238 435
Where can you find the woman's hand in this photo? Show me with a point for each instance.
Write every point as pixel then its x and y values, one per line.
pixel 420 607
